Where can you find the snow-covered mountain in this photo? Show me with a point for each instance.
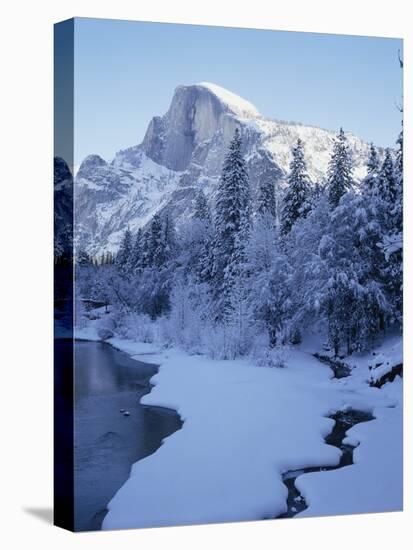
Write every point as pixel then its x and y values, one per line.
pixel 183 151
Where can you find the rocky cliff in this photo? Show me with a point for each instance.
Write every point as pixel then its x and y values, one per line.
pixel 183 151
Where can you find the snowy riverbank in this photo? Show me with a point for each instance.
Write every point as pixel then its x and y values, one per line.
pixel 244 426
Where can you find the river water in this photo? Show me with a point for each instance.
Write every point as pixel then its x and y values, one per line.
pixel 107 442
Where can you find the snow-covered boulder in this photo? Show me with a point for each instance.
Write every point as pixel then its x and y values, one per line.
pixel 386 366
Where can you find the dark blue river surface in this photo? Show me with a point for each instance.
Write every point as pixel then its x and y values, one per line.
pixel 107 443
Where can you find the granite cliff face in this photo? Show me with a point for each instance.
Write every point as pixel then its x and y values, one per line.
pixel 195 116
pixel 182 152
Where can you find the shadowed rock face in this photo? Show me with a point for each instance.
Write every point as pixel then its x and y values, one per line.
pixel 195 115
pixel 61 171
pixel 91 163
pixel 183 151
pixel 63 209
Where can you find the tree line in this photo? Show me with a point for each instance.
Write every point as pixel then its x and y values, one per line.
pixel 242 274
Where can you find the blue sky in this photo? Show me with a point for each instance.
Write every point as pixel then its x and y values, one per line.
pixel 126 72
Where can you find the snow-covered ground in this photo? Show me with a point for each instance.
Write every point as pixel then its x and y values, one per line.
pixel 244 426
pixel 375 482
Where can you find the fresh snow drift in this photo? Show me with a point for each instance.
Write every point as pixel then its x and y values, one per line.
pixel 225 464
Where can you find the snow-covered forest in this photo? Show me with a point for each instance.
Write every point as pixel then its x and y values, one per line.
pixel 242 277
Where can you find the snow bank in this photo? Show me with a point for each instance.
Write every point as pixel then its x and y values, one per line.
pixel 374 483
pixel 86 333
pixel 243 427
pixel 141 351
pixel 384 363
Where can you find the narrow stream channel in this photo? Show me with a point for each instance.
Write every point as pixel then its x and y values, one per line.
pixel 344 420
pixel 107 440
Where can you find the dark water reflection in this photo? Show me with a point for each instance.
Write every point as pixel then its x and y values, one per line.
pixel 107 443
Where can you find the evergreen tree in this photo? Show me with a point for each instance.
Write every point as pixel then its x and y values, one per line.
pixel 124 254
pixel 339 171
pixel 373 167
pixel 392 242
pixel 266 206
pixel 236 271
pixel 232 218
pixel 146 258
pixel 202 239
pixel 156 253
pixel 309 273
pixel 399 155
pixel 398 206
pixel 159 245
pixel 83 258
pixel 137 252
pixel 296 202
pixel 169 236
pixel 202 211
pixel 387 181
pixel 353 292
pixel 269 286
pixel 373 162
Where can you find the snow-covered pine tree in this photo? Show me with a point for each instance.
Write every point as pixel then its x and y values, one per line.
pixel 392 242
pixel 387 180
pixel 352 285
pixel 373 167
pixel 159 242
pixel 169 235
pixel 269 287
pixel 153 254
pixel 398 167
pixel 232 219
pixel 146 260
pixel 296 201
pixel 124 254
pixel 202 238
pixel 83 258
pixel 317 191
pixel 137 252
pixel 339 179
pixel 373 162
pixel 266 203
pixel 202 211
pixel 236 271
pixel 157 247
pixel 399 155
pixel 308 271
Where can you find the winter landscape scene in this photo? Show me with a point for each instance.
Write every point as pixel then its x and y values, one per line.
pixel 238 293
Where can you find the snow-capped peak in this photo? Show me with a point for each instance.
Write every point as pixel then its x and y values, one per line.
pixel 235 103
pixel 183 151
